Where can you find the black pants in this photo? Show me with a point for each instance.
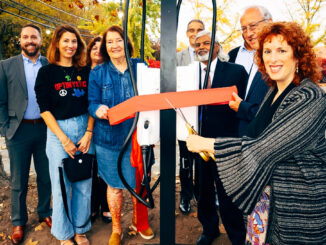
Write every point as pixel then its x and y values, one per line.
pixel 231 216
pixel 189 188
pixel 29 140
pixel 98 198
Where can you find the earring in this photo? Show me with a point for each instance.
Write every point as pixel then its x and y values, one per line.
pixel 297 70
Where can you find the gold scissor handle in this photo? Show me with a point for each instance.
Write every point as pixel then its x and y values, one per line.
pixel 204 155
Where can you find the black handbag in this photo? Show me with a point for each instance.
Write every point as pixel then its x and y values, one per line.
pixel 77 169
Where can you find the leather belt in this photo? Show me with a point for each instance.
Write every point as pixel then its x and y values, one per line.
pixel 33 121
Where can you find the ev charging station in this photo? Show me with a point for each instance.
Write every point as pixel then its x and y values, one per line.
pixel 154 126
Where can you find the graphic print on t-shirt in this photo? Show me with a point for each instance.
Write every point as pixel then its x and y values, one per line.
pixel 78 87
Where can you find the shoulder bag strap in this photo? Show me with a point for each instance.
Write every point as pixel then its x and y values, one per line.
pixel 64 198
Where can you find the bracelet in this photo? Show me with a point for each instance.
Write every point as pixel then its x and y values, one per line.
pixel 87 130
pixel 65 144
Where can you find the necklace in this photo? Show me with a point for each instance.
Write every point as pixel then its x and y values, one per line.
pixel 68 75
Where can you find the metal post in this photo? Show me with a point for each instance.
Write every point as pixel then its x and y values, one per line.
pixel 168 124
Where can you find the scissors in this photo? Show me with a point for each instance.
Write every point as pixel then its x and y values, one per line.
pixel 204 155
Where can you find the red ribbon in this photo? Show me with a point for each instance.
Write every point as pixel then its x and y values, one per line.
pixel 152 102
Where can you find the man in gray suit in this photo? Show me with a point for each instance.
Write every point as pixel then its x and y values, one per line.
pixel 24 130
pixel 187 159
pixel 186 56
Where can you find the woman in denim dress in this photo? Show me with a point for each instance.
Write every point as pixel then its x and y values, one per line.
pixel 109 85
pixel 61 92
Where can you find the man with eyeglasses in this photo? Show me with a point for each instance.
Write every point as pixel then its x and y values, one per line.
pixel 217 121
pixel 187 160
pixel 252 20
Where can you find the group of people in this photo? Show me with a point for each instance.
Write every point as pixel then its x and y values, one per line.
pixel 56 107
pixel 269 177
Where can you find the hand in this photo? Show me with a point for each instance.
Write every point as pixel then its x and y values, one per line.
pixel 235 103
pixel 70 148
pixel 101 112
pixel 196 143
pixel 85 142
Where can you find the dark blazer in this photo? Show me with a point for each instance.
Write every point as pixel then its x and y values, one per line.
pixel 220 120
pixel 13 94
pixel 233 54
pixel 249 107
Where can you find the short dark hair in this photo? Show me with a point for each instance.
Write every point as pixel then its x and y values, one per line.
pixel 195 20
pixel 53 54
pixel 33 26
pixel 89 48
pixel 119 30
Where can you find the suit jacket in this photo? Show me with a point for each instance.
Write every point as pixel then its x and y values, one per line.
pixel 183 57
pixel 13 94
pixel 249 107
pixel 233 54
pixel 220 120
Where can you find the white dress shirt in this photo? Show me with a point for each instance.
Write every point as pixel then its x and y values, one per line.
pixel 245 58
pixel 252 74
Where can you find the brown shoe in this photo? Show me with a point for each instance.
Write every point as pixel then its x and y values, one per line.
pixel 67 242
pixel 115 239
pixel 17 234
pixel 81 239
pixel 47 220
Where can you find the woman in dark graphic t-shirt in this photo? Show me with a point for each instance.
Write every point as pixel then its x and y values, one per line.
pixel 61 92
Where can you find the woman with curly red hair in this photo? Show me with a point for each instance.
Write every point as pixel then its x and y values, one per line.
pixel 277 173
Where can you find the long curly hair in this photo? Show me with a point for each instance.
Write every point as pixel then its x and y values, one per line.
pixel 301 45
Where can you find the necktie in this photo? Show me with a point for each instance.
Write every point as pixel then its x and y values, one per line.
pixel 209 82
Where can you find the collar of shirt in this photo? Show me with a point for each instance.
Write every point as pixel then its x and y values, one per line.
pixel 191 53
pixel 25 59
pixel 244 49
pixel 211 71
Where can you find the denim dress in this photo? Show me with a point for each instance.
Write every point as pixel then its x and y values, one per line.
pixel 108 86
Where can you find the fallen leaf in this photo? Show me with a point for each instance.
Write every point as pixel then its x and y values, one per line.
pixel 193 214
pixel 40 226
pixel 30 242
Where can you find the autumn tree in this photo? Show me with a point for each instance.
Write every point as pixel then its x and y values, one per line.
pixel 47 14
pixel 308 13
pixel 226 21
pixel 113 10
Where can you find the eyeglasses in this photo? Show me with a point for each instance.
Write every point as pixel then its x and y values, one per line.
pixel 251 27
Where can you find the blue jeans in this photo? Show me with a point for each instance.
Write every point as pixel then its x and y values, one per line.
pixel 78 193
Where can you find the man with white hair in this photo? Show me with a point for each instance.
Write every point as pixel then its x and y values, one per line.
pixel 252 20
pixel 217 121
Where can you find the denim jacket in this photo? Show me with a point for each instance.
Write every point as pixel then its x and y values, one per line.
pixel 108 86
